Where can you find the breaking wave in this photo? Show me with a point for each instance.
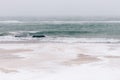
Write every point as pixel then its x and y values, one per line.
pixel 33 35
pixel 10 21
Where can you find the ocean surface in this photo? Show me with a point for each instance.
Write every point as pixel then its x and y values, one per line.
pixel 61 29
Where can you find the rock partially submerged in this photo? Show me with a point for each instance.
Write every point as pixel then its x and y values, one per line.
pixel 27 34
pixel 38 36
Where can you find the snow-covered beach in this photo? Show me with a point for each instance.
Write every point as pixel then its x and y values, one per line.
pixel 59 61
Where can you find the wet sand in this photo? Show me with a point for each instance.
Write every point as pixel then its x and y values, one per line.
pixel 11 59
pixel 7 70
pixel 82 59
pixel 14 51
pixel 114 57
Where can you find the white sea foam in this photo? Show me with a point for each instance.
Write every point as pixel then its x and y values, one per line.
pixel 80 40
pixel 10 21
pixel 12 37
pixel 74 22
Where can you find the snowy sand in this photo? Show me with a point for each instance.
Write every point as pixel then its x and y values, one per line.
pixel 59 61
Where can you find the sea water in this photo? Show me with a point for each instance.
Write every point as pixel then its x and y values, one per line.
pixel 64 29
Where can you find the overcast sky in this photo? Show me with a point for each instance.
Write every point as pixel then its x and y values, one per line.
pixel 59 7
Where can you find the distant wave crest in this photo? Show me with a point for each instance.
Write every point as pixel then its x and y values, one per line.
pixel 11 21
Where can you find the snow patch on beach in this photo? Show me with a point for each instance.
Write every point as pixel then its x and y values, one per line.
pixel 45 61
pixel 84 72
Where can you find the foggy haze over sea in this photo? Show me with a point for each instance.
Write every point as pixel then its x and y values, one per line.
pixel 59 8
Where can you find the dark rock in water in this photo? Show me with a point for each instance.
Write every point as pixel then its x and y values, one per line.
pixel 38 36
pixel 18 36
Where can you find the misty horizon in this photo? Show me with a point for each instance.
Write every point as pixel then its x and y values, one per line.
pixel 59 8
